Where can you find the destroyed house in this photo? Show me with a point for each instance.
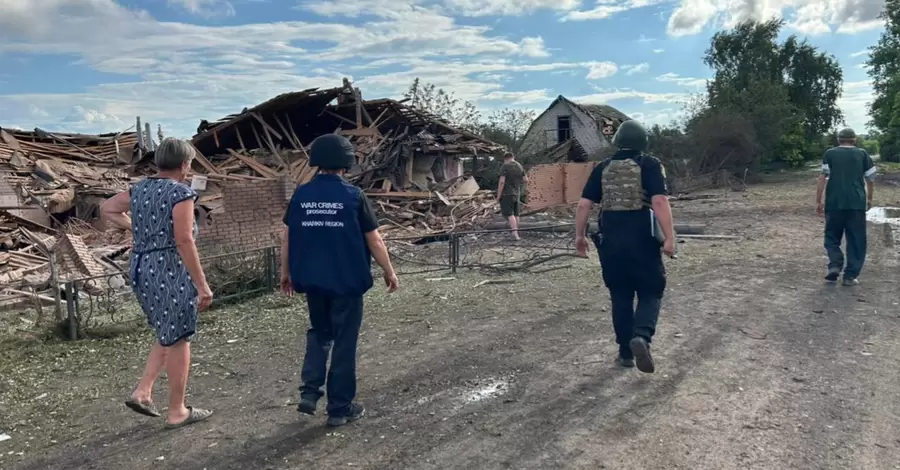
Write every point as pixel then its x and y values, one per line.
pixel 398 147
pixel 51 186
pixel 246 166
pixel 571 131
pixel 408 162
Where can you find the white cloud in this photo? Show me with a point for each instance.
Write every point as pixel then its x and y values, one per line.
pixel 854 102
pixel 468 8
pixel 643 67
pixel 520 97
pixel 186 72
pixel 605 96
pixel 182 72
pixel 509 7
pixel 860 53
pixel 682 81
pixel 207 8
pixel 601 70
pixel 808 17
pixel 607 8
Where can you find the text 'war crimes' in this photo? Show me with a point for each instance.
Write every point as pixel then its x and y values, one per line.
pixel 322 208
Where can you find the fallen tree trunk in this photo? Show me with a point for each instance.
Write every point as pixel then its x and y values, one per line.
pixel 561 227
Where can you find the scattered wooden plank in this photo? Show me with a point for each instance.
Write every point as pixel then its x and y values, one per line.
pixel 494 281
pixel 707 237
pixel 342 118
pixel 256 166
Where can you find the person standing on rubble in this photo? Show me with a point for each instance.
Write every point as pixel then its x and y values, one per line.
pixel 166 275
pixel 635 222
pixel 844 168
pixel 509 191
pixel 329 240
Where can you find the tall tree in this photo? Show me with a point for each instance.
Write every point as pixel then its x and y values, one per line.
pixel 806 82
pixel 884 68
pixel 508 126
pixel 444 105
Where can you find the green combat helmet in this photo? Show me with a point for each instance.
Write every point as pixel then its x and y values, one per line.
pixel 846 134
pixel 631 135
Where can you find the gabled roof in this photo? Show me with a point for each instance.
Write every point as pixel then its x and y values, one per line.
pixel 596 111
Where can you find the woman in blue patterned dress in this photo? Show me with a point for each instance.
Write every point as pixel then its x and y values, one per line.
pixel 166 275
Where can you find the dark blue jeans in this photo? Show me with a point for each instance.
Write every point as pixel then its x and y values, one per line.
pixel 633 266
pixel 335 323
pixel 852 225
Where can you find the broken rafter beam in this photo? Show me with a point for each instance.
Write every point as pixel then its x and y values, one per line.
pixel 204 162
pixel 240 139
pixel 380 115
pixel 342 118
pixel 287 134
pixel 272 147
pixel 267 127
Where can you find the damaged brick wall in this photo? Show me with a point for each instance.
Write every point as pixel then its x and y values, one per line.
pixel 251 218
pixel 556 184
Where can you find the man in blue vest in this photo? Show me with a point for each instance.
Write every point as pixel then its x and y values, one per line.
pixel 330 236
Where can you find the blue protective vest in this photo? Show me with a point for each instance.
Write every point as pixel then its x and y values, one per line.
pixel 327 252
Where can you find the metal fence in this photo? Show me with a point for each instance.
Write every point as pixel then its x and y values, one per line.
pixel 488 251
pixel 92 303
pixel 100 301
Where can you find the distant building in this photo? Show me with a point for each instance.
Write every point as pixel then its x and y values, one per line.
pixel 572 131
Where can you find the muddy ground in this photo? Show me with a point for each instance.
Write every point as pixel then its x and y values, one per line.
pixel 760 365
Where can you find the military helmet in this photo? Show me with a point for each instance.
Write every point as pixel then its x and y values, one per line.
pixel 846 134
pixel 631 135
pixel 332 152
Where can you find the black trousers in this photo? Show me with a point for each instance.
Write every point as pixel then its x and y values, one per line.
pixel 852 225
pixel 335 323
pixel 632 267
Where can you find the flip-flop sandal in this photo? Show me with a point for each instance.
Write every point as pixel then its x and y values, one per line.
pixel 195 415
pixel 144 408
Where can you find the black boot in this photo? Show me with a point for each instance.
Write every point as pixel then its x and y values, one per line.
pixel 641 350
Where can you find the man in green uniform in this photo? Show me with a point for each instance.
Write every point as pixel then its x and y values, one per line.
pixel 509 192
pixel 844 168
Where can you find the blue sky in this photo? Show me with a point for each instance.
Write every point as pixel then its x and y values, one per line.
pixel 93 65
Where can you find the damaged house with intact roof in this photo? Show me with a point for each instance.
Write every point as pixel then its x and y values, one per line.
pixel 572 131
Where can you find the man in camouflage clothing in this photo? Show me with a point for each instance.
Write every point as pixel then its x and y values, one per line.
pixel 635 228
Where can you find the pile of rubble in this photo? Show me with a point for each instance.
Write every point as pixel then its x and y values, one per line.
pixel 409 163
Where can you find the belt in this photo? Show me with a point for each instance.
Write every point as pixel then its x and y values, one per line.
pixel 137 261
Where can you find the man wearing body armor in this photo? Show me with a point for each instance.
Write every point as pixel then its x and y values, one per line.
pixel 634 228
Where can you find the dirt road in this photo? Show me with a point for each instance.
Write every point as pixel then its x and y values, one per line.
pixel 760 365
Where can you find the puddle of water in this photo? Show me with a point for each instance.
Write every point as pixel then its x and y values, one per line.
pixel 884 215
pixel 492 389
